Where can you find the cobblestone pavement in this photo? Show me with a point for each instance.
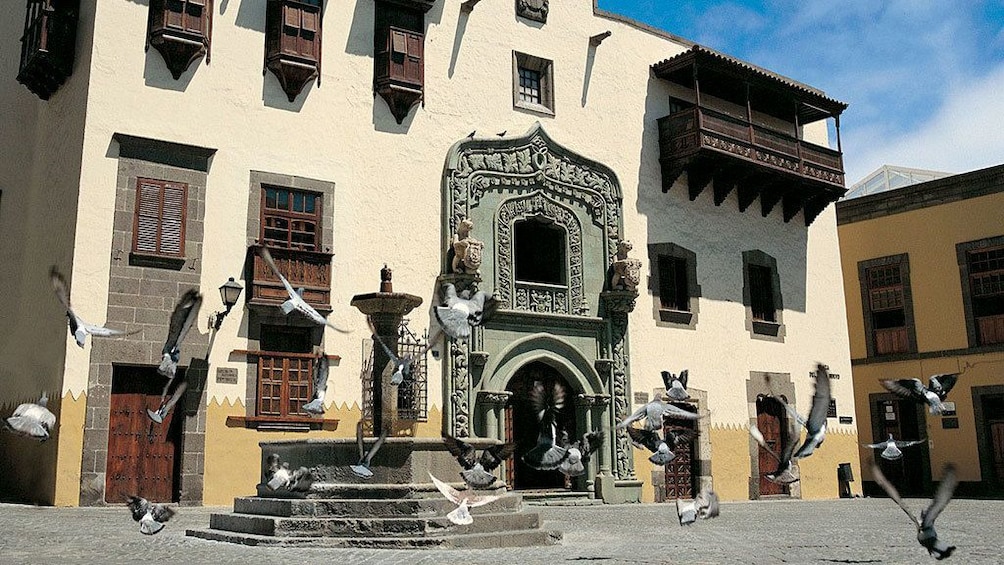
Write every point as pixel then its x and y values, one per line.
pixel 838 531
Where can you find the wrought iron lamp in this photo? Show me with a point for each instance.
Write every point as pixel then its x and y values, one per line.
pixel 230 291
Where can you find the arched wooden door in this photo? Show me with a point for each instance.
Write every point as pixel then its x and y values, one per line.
pixel 772 422
pixel 523 428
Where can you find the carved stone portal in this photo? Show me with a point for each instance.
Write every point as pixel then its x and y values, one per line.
pixel 535 10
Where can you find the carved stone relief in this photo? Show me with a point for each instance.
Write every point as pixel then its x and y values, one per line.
pixel 535 10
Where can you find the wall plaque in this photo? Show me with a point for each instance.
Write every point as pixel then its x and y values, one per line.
pixel 226 375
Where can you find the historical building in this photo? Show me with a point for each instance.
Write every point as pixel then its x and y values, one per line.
pixel 636 203
pixel 923 269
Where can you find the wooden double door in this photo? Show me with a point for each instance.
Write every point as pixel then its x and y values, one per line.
pixel 144 458
pixel 523 427
pixel 772 421
pixel 681 472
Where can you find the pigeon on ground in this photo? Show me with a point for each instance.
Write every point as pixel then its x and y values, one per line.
pixel 578 453
pixel 477 472
pixel 815 424
pixel 316 406
pixel 79 329
pixel 676 386
pixel 184 316
pixel 934 394
pixel 279 476
pixel 404 367
pixel 459 313
pixel 33 420
pixel 686 511
pixel 784 474
pixel 662 449
pixel 463 499
pixel 362 469
pixel 707 504
pixel 296 301
pixel 890 447
pixel 654 413
pixel 925 526
pixel 151 517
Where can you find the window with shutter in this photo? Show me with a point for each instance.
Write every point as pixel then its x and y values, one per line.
pixel 159 226
pixel 887 306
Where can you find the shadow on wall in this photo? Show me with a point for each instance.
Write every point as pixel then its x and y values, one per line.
pixel 156 74
pixel 673 218
pixel 28 467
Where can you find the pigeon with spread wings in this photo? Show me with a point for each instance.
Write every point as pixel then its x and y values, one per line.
pixel 279 476
pixel 321 365
pixel 404 367
pixel 815 424
pixel 577 453
pixel 362 469
pixel 33 420
pixel 934 394
pixel 296 301
pixel 891 447
pixel 784 473
pixel 151 517
pixel 186 311
pixel 79 329
pixel 655 412
pixel 460 313
pixel 676 385
pixel 926 534
pixel 477 471
pixel 662 449
pixel 464 501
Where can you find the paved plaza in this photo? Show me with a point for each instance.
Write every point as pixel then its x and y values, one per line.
pixel 839 531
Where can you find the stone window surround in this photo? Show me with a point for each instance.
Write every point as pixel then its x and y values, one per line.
pixel 673 318
pixel 767 384
pixel 983 442
pixel 767 331
pixel 546 69
pixel 903 260
pixel 962 251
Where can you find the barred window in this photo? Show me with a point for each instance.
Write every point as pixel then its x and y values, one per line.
pixel 533 83
pixel 413 392
pixel 529 85
pixel 159 222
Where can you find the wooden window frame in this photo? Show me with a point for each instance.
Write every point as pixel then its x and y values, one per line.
pixel 545 68
pixel 761 326
pixel 872 335
pixel 158 252
pixel 986 330
pixel 674 315
pixel 291 216
pixel 304 364
pixel 301 28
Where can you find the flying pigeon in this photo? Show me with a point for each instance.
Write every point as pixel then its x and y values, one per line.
pixel 890 447
pixel 547 455
pixel 578 453
pixel 166 404
pixel 654 412
pixel 362 469
pixel 404 367
pixel 33 420
pixel 925 526
pixel 547 402
pixel 316 406
pixel 784 474
pixel 707 504
pixel 151 517
pixel 676 386
pixel 815 424
pixel 477 472
pixel 279 476
pixel 79 329
pixel 296 301
pixel 459 314
pixel 662 449
pixel 184 315
pixel 463 499
pixel 934 394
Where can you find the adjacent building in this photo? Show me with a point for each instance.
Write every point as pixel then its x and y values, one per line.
pixel 924 278
pixel 152 147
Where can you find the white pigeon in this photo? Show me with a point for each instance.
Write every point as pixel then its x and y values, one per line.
pixel 464 501
pixel 151 517
pixel 891 447
pixel 926 535
pixel 296 301
pixel 459 314
pixel 33 420
pixel 186 311
pixel 166 404
pixel 707 504
pixel 279 476
pixel 655 412
pixel 362 469
pixel 477 472
pixel 79 329
pixel 662 449
pixel 316 406
pixel 934 394
pixel 676 386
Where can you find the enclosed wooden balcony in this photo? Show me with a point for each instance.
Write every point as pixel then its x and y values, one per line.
pixel 736 127
pixel 48 45
pixel 309 270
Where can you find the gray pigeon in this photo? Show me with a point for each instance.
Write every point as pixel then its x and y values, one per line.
pixel 151 517
pixel 463 499
pixel 362 469
pixel 707 504
pixel 33 420
pixel 316 406
pixel 662 449
pixel 784 474
pixel 79 329
pixel 296 301
pixel 279 476
pixel 184 316
pixel 676 386
pixel 925 526
pixel 459 314
pixel 891 447
pixel 934 394
pixel 166 404
pixel 578 453
pixel 547 455
pixel 477 472
pixel 404 367
pixel 655 412
pixel 815 424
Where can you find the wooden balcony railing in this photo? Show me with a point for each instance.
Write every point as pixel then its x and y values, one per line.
pixel 47 46
pixel 991 329
pixel 891 340
pixel 309 270
pixel 688 131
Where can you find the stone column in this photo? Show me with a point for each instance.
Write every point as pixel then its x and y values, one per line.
pixel 494 402
pixel 617 304
pixel 457 402
pixel 588 404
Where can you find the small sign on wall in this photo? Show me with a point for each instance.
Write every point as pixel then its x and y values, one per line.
pixel 831 410
pixel 947 408
pixel 950 423
pixel 847 419
pixel 226 375
pixel 641 398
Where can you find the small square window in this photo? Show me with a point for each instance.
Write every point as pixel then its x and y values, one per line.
pixel 533 80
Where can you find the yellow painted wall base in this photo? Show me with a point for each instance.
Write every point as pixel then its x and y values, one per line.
pixel 819 472
pixel 71 447
pixel 730 462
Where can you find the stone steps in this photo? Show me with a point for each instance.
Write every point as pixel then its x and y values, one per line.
pixel 559 498
pixel 365 508
pixel 524 538
pixel 370 527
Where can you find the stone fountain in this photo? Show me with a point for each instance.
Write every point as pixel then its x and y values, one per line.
pixel 398 507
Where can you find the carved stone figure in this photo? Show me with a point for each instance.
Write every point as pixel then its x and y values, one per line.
pixel 466 250
pixel 535 10
pixel 627 270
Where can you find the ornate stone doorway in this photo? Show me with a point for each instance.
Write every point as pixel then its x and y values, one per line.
pixel 524 428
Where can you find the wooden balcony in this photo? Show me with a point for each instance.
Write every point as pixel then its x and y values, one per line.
pixel 991 329
pixel 309 270
pixel 891 340
pixel 47 46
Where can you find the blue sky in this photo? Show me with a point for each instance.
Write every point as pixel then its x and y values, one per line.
pixel 924 78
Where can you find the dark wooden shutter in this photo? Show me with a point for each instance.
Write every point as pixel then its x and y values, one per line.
pixel 160 218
